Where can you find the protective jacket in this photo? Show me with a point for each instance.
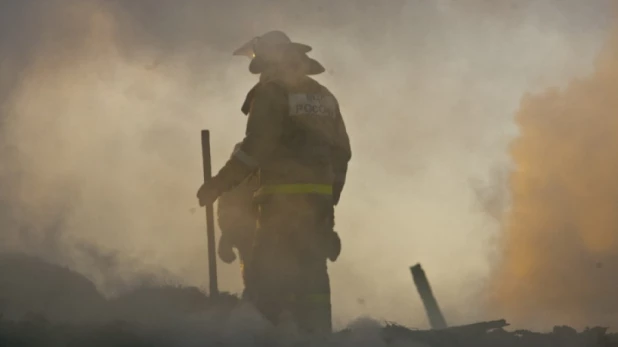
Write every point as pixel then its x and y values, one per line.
pixel 295 139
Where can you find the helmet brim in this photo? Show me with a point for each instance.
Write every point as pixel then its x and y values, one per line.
pixel 248 49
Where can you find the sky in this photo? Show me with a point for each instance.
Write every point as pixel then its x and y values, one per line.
pixel 102 103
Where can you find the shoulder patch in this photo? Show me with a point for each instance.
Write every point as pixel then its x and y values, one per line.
pixel 307 104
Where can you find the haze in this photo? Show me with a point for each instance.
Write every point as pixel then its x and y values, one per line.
pixel 102 103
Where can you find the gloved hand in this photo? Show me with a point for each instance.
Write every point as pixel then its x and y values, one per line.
pixel 208 192
pixel 333 245
pixel 225 250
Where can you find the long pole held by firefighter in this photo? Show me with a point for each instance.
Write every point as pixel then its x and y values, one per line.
pixel 210 225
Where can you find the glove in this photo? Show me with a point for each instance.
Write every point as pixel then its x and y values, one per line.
pixel 226 251
pixel 333 246
pixel 208 192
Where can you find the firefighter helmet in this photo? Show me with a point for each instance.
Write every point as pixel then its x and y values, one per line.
pixel 262 50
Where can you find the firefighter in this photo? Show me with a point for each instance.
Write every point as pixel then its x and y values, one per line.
pixel 297 143
pixel 237 220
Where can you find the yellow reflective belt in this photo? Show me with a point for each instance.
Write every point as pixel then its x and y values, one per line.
pixel 324 189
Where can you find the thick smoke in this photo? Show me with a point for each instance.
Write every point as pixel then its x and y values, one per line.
pixel 561 246
pixel 102 103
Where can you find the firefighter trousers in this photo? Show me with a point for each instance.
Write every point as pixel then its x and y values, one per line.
pixel 288 271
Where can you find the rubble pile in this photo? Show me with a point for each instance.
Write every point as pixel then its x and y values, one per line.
pixel 37 331
pixel 493 333
pixel 42 304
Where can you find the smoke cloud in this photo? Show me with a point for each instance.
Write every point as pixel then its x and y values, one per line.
pixel 102 103
pixel 561 232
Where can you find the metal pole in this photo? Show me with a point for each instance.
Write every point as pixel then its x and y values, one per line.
pixel 210 226
pixel 436 320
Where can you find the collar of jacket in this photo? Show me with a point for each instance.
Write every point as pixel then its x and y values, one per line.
pixel 246 106
pixel 264 78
